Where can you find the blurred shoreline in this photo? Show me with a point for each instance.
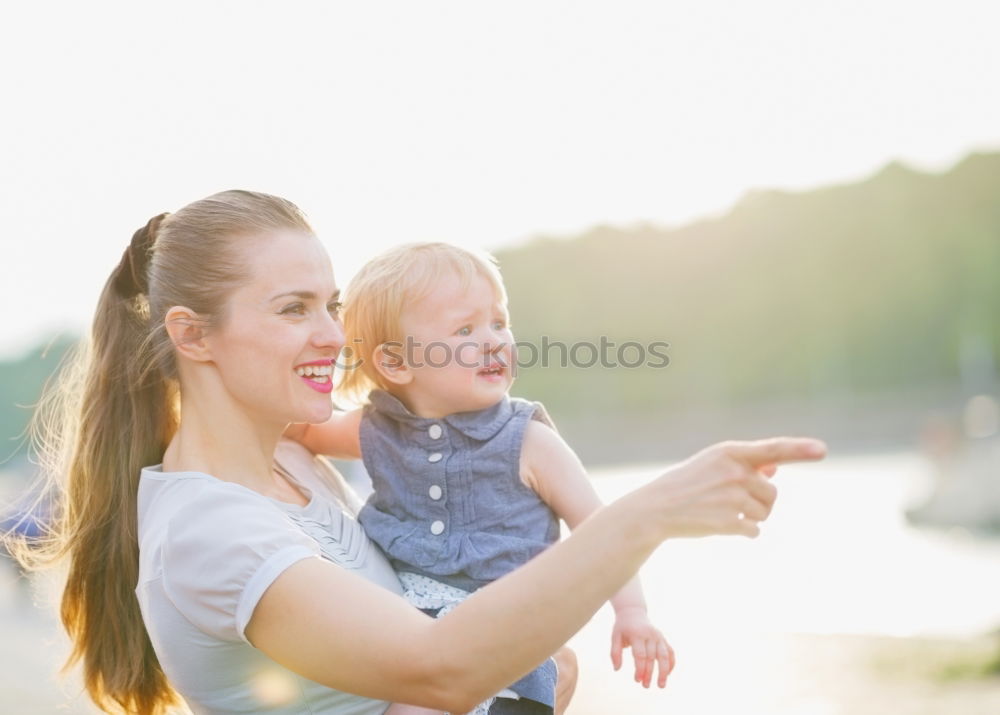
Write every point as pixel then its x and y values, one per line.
pixel 851 424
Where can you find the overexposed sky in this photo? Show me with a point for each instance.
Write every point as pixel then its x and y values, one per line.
pixel 464 121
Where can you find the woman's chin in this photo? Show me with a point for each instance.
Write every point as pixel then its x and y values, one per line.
pixel 314 415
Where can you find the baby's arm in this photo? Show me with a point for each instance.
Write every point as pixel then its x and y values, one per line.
pixel 552 469
pixel 339 437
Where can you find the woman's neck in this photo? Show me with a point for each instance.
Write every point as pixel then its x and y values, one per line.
pixel 220 438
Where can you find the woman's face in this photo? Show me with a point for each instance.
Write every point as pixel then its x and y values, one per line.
pixel 281 333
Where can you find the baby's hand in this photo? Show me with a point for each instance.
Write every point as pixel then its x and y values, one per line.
pixel 634 630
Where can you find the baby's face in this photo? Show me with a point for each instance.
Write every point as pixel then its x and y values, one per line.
pixel 459 348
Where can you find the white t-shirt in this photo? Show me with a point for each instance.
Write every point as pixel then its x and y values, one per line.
pixel 208 549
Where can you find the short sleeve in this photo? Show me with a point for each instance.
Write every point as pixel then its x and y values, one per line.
pixel 542 415
pixel 220 554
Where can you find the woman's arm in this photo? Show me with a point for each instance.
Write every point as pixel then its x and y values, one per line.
pixel 334 627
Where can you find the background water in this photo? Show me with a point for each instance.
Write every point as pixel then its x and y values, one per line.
pixel 796 621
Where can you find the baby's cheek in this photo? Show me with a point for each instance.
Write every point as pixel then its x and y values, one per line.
pixel 437 355
pixel 467 355
pixel 509 352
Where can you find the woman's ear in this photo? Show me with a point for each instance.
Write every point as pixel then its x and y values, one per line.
pixel 390 362
pixel 187 332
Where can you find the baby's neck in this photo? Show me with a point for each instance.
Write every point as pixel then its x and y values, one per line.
pixel 435 411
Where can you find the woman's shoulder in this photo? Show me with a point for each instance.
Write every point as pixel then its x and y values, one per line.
pixel 165 496
pixel 163 491
pixel 211 547
pixel 190 517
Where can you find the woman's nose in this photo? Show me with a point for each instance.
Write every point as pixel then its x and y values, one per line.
pixel 329 334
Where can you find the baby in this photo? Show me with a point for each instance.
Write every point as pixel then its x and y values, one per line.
pixel 469 482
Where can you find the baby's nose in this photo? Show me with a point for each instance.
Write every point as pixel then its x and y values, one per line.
pixel 495 351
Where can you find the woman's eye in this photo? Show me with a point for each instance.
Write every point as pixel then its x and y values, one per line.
pixel 335 307
pixel 464 331
pixel 293 309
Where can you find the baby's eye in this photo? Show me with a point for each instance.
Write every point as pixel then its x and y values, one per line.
pixel 464 331
pixel 499 324
pixel 335 307
pixel 293 309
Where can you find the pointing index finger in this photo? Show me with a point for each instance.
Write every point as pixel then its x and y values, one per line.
pixel 778 449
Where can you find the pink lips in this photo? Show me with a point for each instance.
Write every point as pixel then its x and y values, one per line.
pixel 489 375
pixel 324 387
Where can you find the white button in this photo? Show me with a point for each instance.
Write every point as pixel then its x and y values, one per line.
pixel 436 457
pixel 434 431
pixel 437 527
pixel 435 492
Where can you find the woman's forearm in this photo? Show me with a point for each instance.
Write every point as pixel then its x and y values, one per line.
pixel 516 622
pixel 338 629
pixel 360 638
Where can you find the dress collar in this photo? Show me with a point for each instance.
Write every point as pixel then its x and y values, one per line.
pixel 479 424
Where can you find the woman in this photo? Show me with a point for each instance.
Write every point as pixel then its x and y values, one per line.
pixel 192 543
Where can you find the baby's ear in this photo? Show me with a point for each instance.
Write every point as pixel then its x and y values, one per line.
pixel 390 362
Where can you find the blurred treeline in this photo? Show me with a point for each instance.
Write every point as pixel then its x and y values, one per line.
pixel 21 382
pixel 849 311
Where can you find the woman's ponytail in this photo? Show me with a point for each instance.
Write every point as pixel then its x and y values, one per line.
pixel 128 412
pixel 110 416
pixel 112 411
pixel 131 278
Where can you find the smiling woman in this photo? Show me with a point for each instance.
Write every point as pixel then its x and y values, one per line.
pixel 211 561
pixel 282 318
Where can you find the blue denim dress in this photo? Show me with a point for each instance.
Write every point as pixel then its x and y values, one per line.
pixel 449 503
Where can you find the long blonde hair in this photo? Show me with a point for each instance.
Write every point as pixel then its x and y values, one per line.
pixel 112 410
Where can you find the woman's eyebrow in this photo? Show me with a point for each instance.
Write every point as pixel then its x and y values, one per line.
pixel 305 295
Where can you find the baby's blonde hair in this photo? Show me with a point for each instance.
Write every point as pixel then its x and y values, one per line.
pixel 376 296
